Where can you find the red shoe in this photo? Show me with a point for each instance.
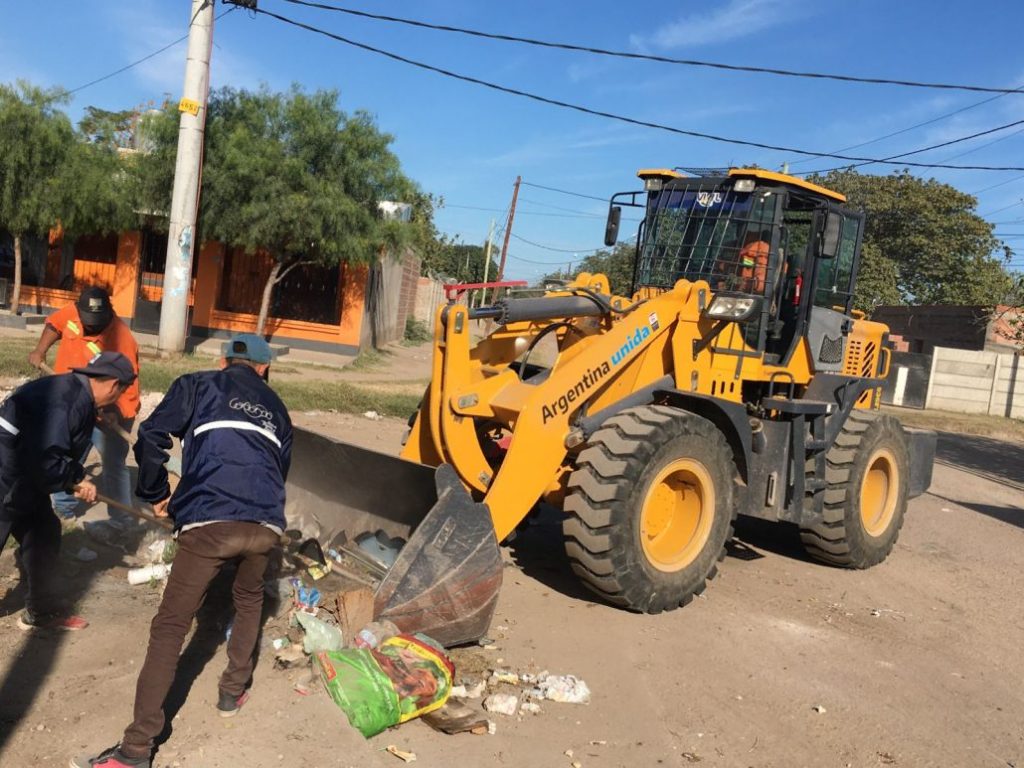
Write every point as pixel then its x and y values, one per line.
pixel 27 622
pixel 110 758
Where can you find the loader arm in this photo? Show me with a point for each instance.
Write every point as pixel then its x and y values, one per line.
pixel 477 385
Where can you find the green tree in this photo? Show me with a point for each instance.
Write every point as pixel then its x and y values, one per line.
pixel 35 138
pixel 923 243
pixel 461 262
pixel 291 174
pixel 616 263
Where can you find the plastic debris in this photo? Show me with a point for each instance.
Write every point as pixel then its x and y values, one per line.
pixel 567 689
pixel 501 703
pixel 380 547
pixel 504 676
pixel 372 415
pixel 148 573
pixel 408 757
pixel 819 709
pixel 281 643
pixel 492 727
pixel 320 636
pixel 305 598
pixel 576 764
pixel 530 706
pixel 85 555
pixel 374 634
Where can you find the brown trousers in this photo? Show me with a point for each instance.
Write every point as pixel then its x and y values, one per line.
pixel 202 552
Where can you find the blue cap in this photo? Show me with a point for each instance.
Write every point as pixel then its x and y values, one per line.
pixel 248 346
pixel 109 365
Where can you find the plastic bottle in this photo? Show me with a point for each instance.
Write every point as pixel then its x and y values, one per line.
pixel 375 633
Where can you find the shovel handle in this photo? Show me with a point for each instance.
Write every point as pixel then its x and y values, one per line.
pixel 136 512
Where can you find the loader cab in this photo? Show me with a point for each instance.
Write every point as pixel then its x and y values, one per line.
pixel 788 244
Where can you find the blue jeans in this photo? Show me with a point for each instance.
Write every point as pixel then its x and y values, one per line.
pixel 115 479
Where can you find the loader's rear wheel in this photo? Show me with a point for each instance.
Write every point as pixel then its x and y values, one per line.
pixel 650 508
pixel 866 497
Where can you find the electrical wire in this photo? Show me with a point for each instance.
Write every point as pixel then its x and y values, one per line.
pixel 560 208
pixel 552 248
pixel 631 120
pixel 1000 184
pixel 564 191
pixel 144 59
pixel 650 57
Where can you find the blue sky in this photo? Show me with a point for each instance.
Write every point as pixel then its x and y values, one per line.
pixel 468 143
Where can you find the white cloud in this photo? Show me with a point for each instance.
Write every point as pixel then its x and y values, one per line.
pixel 736 19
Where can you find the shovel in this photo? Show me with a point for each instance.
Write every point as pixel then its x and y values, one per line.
pixel 162 522
pixel 173 463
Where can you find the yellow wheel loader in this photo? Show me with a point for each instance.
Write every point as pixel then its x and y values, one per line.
pixel 736 378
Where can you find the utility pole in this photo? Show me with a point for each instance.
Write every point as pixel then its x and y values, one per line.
pixel 508 231
pixel 487 262
pixel 187 172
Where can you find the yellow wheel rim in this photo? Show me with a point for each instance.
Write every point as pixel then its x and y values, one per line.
pixel 676 515
pixel 879 492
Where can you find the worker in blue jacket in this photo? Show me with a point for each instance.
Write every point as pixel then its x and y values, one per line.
pixel 45 427
pixel 228 507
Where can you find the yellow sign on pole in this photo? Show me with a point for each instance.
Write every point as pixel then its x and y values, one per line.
pixel 189 105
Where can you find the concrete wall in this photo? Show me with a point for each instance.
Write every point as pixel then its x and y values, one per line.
pixel 968 381
pixel 429 296
pixel 391 297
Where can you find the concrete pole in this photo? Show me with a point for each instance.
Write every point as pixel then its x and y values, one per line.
pixel 187 172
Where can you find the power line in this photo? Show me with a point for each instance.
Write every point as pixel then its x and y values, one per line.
pixel 651 57
pixel 1000 184
pixel 552 248
pixel 623 118
pixel 144 59
pixel 919 151
pixel 560 208
pixel 939 118
pixel 531 213
pixel 565 191
pixel 1005 207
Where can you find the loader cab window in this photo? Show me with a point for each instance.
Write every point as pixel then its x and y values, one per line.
pixel 702 230
pixel 834 284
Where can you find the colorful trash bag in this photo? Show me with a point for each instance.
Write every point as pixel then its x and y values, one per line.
pixel 407 676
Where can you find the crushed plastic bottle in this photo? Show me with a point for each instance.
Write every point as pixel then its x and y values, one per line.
pixel 375 633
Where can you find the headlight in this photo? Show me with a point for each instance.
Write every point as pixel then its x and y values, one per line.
pixel 735 308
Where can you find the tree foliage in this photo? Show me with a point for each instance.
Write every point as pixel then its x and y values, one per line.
pixel 461 262
pixel 617 263
pixel 35 137
pixel 923 243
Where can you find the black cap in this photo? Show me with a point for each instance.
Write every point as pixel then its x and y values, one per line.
pixel 94 307
pixel 109 365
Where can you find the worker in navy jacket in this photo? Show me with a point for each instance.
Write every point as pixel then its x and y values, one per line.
pixel 45 427
pixel 228 507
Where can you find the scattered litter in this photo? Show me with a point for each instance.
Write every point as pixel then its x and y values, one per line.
pixel 281 643
pixel 374 634
pixel 501 703
pixel 483 642
pixel 291 656
pixel 85 555
pixel 568 753
pixel 492 727
pixel 819 709
pixel 148 573
pixel 455 717
pixel 530 706
pixel 598 743
pixel 320 636
pixel 946 509
pixel 407 757
pixel 372 416
pixel 161 551
pixel 380 547
pixel 406 677
pixel 504 676
pixel 306 599
pixel 692 757
pixel 875 612
pixel 567 689
pixel 576 764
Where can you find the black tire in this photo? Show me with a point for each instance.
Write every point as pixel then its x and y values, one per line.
pixel 868 441
pixel 608 491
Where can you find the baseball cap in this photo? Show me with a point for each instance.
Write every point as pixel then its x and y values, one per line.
pixel 248 346
pixel 94 307
pixel 110 365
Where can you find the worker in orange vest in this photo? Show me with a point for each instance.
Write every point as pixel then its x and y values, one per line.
pixel 84 329
pixel 753 269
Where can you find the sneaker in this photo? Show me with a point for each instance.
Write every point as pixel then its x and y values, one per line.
pixel 110 758
pixel 27 622
pixel 229 705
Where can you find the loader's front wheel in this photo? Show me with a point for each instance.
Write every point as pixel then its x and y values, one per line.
pixel 867 473
pixel 650 508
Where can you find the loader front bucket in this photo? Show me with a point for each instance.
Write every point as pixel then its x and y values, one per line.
pixel 446 577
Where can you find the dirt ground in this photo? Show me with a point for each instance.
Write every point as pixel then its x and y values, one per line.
pixel 783 662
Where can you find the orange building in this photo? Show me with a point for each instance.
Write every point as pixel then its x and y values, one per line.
pixel 332 309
